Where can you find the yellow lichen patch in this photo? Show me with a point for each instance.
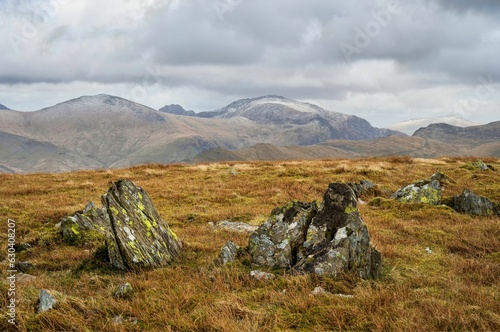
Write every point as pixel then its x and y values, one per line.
pixel 350 209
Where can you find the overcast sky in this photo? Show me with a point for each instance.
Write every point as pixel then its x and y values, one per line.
pixel 383 60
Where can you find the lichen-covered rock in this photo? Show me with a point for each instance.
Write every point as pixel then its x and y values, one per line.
pixel 468 202
pixel 337 240
pixel 477 165
pixel 142 238
pixel 135 235
pixel 92 224
pixel 277 241
pixel 228 254
pixel 427 191
pixel 327 241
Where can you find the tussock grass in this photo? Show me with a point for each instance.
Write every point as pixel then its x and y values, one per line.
pixel 456 288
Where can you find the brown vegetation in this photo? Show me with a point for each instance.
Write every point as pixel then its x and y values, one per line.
pixel 456 288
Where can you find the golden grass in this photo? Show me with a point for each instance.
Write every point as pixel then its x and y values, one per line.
pixel 454 289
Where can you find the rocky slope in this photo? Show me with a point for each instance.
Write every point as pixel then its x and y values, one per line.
pixel 298 123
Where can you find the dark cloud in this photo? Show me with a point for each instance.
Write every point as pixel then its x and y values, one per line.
pixel 319 49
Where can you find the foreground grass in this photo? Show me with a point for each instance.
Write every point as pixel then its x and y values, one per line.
pixel 456 288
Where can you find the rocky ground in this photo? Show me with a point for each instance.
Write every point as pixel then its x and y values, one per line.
pixel 368 244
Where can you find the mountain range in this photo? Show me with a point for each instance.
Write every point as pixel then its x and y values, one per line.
pixel 104 131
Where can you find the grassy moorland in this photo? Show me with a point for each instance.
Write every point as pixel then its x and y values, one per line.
pixel 456 288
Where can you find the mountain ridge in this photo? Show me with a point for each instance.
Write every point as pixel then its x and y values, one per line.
pixel 106 131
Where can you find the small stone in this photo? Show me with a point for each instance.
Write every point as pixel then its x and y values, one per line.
pixel 25 267
pixel 23 278
pixel 261 275
pixel 428 250
pixel 45 301
pixel 22 247
pixel 346 296
pixel 124 291
pixel 235 226
pixel 118 319
pixel 319 291
pixel 228 254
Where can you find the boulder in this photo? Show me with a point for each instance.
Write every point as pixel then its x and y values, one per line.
pixel 477 165
pixel 135 235
pixel 140 238
pixel 228 254
pixel 326 240
pixel 337 240
pixel 277 241
pixel 468 202
pixel 427 191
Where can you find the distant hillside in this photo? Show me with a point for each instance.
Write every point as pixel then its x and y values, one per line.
pixel 2 107
pixel 409 127
pixel 107 132
pixel 451 134
pixel 381 147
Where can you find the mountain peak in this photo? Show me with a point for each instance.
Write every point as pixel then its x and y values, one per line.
pixel 177 110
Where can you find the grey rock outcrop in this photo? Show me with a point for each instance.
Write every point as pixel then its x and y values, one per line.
pixel 326 240
pixel 468 202
pixel 135 235
pixel 45 301
pixel 337 240
pixel 277 241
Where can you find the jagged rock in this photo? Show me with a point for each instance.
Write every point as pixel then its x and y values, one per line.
pixel 141 238
pixel 45 301
pixel 135 235
pixel 240 227
pixel 124 291
pixel 337 240
pixel 362 188
pixel 278 240
pixel 261 275
pixel 327 241
pixel 228 254
pixel 427 191
pixel 468 202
